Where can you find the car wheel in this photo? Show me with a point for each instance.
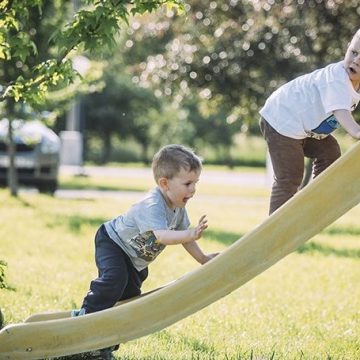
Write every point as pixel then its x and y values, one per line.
pixel 48 188
pixel 1 320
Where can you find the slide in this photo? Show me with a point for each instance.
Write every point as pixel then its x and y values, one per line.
pixel 319 204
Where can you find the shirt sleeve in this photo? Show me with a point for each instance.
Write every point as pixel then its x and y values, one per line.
pixel 336 96
pixel 150 215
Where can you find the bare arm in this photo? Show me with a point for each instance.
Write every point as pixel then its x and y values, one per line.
pixel 346 120
pixel 194 250
pixel 173 237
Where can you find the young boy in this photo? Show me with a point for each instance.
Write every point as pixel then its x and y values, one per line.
pixel 127 244
pixel 298 118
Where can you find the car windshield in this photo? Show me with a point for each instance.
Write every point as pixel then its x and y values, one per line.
pixel 27 132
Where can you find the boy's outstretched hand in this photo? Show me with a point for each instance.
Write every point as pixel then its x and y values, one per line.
pixel 193 248
pixel 207 258
pixel 198 230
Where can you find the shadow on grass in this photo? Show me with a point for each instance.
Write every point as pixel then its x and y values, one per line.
pixel 314 247
pixel 340 230
pixel 228 238
pixel 223 237
pixel 325 250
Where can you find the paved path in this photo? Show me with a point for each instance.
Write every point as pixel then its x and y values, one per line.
pixel 258 178
pixel 221 177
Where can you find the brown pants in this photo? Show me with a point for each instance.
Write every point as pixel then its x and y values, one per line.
pixel 287 157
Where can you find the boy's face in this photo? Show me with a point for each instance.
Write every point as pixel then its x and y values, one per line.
pixel 180 188
pixel 352 60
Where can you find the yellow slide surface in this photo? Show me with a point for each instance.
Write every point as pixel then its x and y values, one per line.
pixel 327 198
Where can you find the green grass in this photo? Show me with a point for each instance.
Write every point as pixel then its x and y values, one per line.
pixel 103 183
pixel 307 306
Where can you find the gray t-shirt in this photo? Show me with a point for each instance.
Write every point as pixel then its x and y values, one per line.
pixel 132 231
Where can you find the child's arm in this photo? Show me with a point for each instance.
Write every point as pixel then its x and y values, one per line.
pixel 194 250
pixel 173 237
pixel 346 120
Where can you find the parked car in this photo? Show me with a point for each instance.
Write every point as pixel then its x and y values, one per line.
pixel 37 154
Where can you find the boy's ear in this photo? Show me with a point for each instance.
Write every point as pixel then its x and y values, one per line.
pixel 163 183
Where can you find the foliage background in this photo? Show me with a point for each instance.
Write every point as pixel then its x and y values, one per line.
pixel 213 67
pixel 196 76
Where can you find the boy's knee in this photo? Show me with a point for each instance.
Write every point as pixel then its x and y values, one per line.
pixel 115 285
pixel 336 154
pixel 110 285
pixel 290 182
pixel 332 150
pixel 286 188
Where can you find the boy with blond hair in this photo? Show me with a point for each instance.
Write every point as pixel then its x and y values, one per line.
pixel 298 118
pixel 127 244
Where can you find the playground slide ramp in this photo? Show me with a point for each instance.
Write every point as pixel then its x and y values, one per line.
pixel 319 204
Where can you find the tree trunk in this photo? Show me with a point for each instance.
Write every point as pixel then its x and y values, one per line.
pixel 1 320
pixel 11 149
pixel 105 158
pixel 144 153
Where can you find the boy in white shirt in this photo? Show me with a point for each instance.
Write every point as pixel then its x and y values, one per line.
pixel 298 118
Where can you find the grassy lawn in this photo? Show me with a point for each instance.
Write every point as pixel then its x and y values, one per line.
pixel 307 306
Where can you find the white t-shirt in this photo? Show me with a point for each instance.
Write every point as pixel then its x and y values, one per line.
pixel 132 231
pixel 304 106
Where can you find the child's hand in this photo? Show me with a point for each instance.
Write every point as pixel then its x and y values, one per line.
pixel 208 257
pixel 198 230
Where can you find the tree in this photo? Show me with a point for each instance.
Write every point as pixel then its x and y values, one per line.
pixel 189 121
pixel 119 109
pixel 91 29
pixel 23 43
pixel 28 77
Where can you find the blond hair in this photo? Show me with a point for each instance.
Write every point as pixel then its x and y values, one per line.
pixel 170 159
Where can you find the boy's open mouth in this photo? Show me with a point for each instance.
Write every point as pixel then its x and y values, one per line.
pixel 352 70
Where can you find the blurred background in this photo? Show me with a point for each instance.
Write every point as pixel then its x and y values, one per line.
pixel 198 77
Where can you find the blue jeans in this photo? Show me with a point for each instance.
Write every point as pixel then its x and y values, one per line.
pixel 117 277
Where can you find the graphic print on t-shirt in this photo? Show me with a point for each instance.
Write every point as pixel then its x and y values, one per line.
pixel 325 128
pixel 145 246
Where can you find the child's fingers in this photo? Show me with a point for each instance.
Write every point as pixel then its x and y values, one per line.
pixel 202 219
pixel 202 228
pixel 204 225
